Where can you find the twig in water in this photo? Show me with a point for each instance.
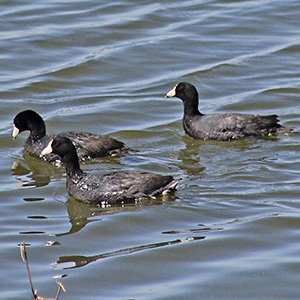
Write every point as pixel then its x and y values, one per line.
pixel 60 287
pixel 24 258
pixel 34 292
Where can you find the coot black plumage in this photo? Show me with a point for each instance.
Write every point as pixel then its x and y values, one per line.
pixel 88 145
pixel 112 188
pixel 222 127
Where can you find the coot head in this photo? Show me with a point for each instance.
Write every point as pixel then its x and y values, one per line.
pixel 60 146
pixel 189 96
pixel 28 120
pixel 184 91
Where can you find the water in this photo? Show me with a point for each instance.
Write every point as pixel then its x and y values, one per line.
pixel 232 232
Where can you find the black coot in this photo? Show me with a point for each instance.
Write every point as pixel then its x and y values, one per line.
pixel 112 188
pixel 88 145
pixel 227 126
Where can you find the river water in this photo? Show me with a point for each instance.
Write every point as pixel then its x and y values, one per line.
pixel 233 229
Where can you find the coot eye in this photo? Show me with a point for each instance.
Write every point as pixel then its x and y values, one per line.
pixel 56 144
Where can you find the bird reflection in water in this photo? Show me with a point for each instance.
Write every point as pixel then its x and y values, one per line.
pixel 81 214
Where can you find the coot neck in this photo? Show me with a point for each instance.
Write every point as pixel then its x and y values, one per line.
pixel 71 163
pixel 37 131
pixel 191 108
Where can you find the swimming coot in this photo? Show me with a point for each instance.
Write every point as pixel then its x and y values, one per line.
pixel 112 188
pixel 222 127
pixel 88 145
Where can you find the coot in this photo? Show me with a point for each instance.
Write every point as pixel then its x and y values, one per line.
pixel 112 188
pixel 227 126
pixel 88 145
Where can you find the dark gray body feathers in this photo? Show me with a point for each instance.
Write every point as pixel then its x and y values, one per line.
pixel 118 187
pixel 229 126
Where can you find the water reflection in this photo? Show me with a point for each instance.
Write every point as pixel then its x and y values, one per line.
pixel 189 157
pixel 26 177
pixel 81 214
pixel 197 155
pixel 78 214
pixel 32 172
pixel 192 145
pixel 76 261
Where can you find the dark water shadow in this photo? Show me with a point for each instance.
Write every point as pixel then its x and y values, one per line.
pixel 80 261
